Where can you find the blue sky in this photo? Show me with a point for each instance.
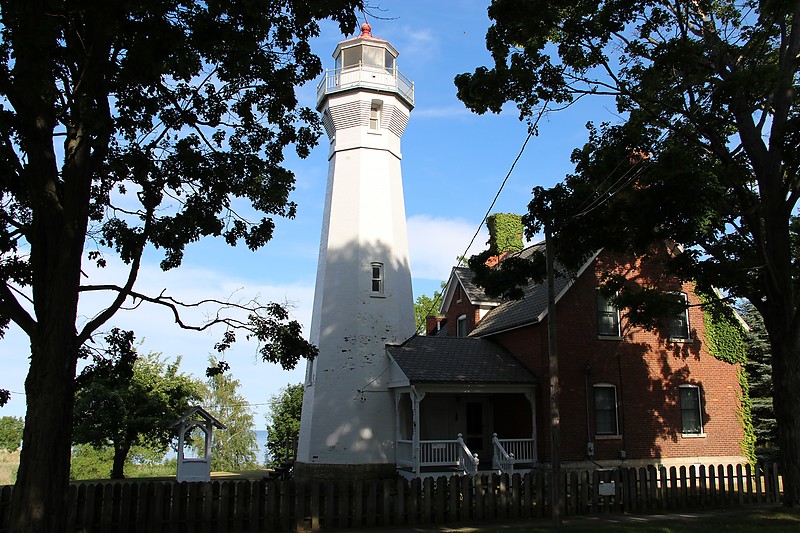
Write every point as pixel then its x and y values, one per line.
pixel 453 164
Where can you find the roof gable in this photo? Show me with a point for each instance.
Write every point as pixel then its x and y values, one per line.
pixel 532 308
pixel 463 278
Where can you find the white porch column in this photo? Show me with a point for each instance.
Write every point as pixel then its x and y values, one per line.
pixel 397 397
pixel 416 399
pixel 531 396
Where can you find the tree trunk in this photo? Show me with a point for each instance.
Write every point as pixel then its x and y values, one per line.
pixel 786 376
pixel 120 455
pixel 38 502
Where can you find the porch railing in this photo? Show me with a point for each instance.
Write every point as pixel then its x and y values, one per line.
pixel 365 76
pixel 502 461
pixel 437 453
pixel 521 449
pixel 467 460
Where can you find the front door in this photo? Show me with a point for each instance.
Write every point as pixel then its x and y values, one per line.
pixel 477 434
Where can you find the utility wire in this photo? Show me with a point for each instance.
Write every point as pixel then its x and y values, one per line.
pixel 531 131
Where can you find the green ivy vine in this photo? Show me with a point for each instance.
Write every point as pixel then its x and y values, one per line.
pixel 725 337
pixel 505 232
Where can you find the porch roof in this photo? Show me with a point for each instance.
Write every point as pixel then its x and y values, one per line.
pixel 458 360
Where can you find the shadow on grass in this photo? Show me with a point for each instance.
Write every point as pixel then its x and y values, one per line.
pixel 773 519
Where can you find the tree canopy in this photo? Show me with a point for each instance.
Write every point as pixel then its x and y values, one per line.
pixel 11 433
pixel 759 377
pixel 283 423
pixel 126 400
pixel 425 306
pixel 703 154
pixel 134 125
pixel 234 448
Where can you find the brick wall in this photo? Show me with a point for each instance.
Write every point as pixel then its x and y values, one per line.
pixel 644 366
pixel 458 308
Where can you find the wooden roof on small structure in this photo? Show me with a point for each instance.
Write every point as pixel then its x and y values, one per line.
pixel 202 413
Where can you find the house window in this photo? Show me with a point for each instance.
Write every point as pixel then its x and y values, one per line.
pixel 375 115
pixel 461 326
pixel 607 317
pixel 605 410
pixel 377 279
pixel 679 323
pixel 691 412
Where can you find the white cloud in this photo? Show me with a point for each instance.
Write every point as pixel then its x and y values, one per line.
pixel 455 110
pixel 436 242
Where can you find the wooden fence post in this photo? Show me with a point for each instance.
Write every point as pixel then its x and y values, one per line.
pixel 441 500
pixel 401 509
pixel 516 496
pixel 468 494
pixel 388 511
pixel 479 501
pixel 413 501
pixel 455 500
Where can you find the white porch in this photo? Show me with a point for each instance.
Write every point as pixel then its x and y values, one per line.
pixel 442 432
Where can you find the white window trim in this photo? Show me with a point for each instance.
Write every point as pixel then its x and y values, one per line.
pixel 688 337
pixel 699 408
pixel 380 293
pixel 618 335
pixel 607 436
pixel 376 107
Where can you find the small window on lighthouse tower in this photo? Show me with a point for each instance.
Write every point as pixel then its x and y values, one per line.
pixel 375 115
pixel 377 279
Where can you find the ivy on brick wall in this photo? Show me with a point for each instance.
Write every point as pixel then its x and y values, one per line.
pixel 505 232
pixel 725 337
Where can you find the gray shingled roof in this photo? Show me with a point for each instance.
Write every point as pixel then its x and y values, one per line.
pixel 474 292
pixel 458 360
pixel 514 313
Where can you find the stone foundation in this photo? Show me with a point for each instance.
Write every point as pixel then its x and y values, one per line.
pixel 330 472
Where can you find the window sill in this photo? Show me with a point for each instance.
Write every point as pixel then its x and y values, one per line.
pixel 681 341
pixel 375 295
pixel 609 338
pixel 608 437
pixel 693 435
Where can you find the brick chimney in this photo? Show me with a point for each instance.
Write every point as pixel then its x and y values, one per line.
pixel 505 236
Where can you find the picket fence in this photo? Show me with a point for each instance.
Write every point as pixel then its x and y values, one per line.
pixel 274 505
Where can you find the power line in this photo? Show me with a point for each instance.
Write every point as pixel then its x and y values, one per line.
pixel 531 131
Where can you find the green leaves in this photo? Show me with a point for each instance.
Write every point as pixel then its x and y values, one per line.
pixel 283 423
pixel 125 400
pixel 11 428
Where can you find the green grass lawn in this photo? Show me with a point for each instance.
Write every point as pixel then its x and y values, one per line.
pixel 9 462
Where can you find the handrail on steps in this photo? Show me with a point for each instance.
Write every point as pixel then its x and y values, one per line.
pixel 468 461
pixel 502 461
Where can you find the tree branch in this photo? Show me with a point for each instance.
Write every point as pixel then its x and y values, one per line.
pixel 10 307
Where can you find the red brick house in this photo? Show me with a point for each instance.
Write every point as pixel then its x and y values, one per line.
pixel 628 396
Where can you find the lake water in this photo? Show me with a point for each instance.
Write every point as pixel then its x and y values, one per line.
pixel 261 455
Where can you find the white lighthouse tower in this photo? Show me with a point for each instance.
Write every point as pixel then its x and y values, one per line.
pixel 363 297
